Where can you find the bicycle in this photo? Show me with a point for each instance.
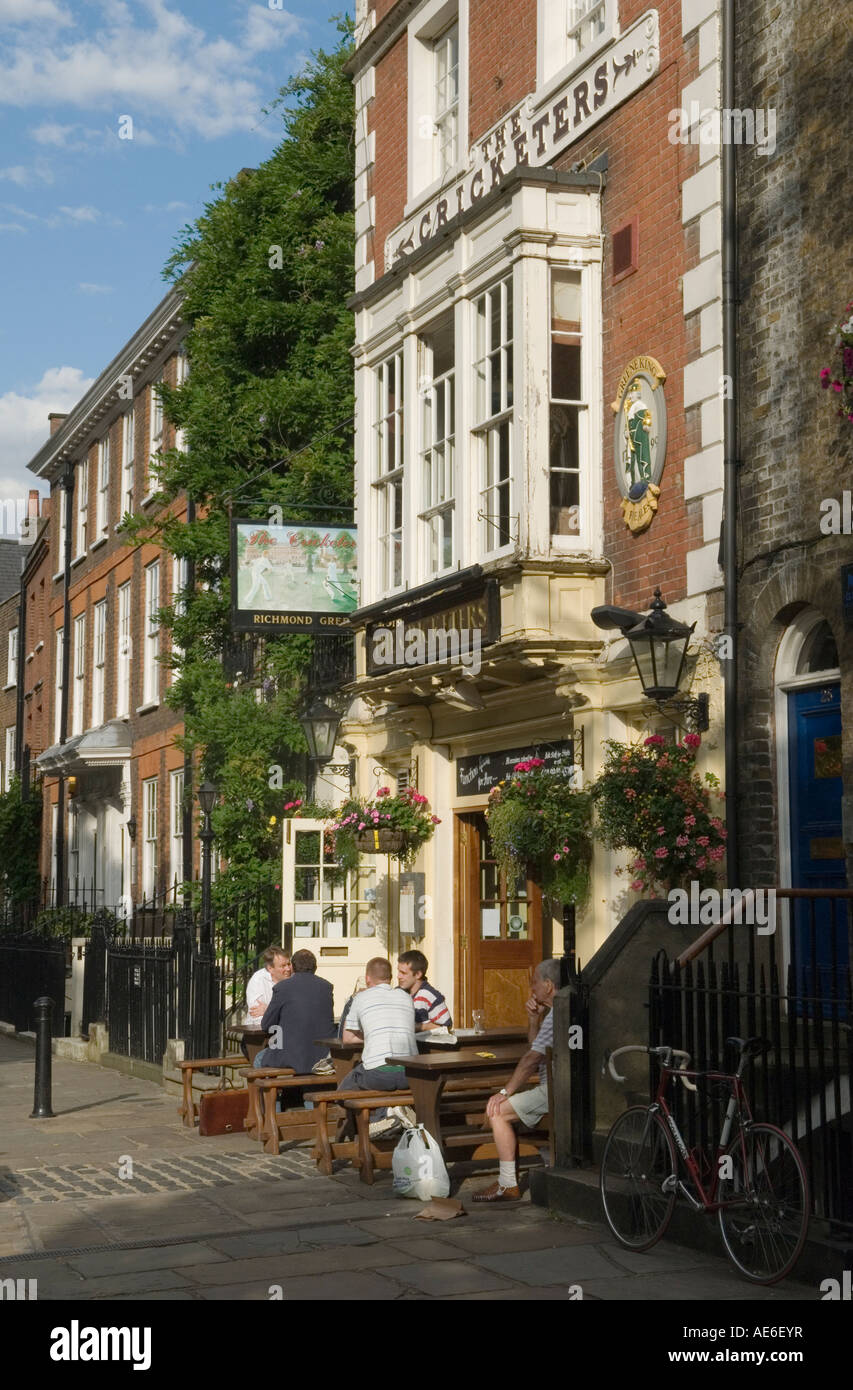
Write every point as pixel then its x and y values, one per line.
pixel 758 1185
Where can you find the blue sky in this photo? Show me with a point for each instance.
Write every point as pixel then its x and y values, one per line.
pixel 87 219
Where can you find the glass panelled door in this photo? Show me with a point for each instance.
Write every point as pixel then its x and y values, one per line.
pixel 335 915
pixel 502 929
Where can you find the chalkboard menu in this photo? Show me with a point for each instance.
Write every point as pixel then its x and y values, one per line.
pixel 481 771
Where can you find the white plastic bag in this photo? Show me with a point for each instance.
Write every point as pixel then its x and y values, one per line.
pixel 418 1167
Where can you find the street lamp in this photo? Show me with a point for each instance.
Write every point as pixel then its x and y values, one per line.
pixel 659 647
pixel 207 797
pixel 320 724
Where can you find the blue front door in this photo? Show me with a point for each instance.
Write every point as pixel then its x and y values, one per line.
pixel 819 946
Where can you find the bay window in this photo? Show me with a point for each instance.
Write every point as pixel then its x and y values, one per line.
pixel 438 446
pixel 493 400
pixel 388 469
pixel 567 403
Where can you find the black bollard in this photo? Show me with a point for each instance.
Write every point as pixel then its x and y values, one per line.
pixel 44 1028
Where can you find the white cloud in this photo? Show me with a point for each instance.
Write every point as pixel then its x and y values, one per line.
pixel 175 206
pixel 82 214
pixel 11 227
pixel 23 418
pixel 33 11
pixel 156 66
pixel 86 287
pixel 25 176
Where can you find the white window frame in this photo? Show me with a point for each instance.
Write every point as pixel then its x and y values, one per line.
pixel 569 539
pixel 560 25
pixel 82 506
pixel 79 687
pixel 433 21
pixel 445 54
pixel 182 371
pixel 12 658
pixel 176 805
pixel 155 432
pixel 489 425
pixel 99 652
pixel 149 837
pixel 102 508
pixel 60 540
pixel 57 684
pixel 9 769
pixel 437 455
pixel 151 640
pixel 180 567
pixel 124 652
pixel 388 483
pixel 128 456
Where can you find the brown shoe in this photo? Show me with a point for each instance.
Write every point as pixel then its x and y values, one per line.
pixel 496 1193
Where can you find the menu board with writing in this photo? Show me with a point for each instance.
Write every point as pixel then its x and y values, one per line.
pixel 479 772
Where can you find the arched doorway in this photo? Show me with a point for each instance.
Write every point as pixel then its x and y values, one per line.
pixel 808 754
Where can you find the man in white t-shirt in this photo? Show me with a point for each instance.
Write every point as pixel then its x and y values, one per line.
pixel 384 1019
pixel 275 966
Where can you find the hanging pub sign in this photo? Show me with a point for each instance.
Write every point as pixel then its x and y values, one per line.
pixel 639 439
pixel 479 772
pixel 291 577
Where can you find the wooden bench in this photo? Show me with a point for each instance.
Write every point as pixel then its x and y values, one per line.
pixel 254 1121
pixel 292 1123
pixel 188 1110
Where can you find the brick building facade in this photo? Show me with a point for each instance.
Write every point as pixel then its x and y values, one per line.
pixel 113 777
pixel 795 731
pixel 537 262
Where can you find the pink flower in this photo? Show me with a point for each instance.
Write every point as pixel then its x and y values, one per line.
pixel 383 791
pixel 689 820
pixel 661 853
pixel 556 857
pixel 716 822
pixel 436 820
pixel 682 840
pixel 692 740
pixel 637 885
pixel 702 840
pixel 631 793
pixel 361 825
pixel 536 762
pixel 565 849
pixel 654 741
pixel 638 864
pixel 717 853
pixel 701 863
pixel 836 386
pixel 825 374
pixel 661 829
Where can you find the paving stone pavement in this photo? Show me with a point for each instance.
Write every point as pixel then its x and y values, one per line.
pixel 218 1220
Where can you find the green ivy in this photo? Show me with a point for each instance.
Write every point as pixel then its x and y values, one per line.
pixel 20 835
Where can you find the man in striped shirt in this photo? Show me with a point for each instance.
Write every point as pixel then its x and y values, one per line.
pixel 431 1009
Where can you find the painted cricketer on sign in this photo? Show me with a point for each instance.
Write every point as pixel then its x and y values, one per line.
pixel 536 132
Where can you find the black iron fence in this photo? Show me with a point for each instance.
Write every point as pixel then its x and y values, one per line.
pixel 736 982
pixel 154 973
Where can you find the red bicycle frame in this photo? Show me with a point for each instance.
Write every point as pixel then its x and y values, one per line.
pixel 738 1106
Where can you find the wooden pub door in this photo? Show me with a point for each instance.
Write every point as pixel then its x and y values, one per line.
pixel 498 931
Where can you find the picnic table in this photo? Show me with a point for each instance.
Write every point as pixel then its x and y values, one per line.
pixel 344 1055
pixel 429 1073
pixel 254 1038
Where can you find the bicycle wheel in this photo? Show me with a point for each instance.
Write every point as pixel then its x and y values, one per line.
pixel 638 1158
pixel 766 1216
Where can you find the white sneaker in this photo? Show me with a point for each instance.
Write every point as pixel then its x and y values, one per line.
pixel 385 1129
pixel 405 1114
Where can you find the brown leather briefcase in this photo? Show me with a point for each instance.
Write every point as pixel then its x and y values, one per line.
pixel 223 1111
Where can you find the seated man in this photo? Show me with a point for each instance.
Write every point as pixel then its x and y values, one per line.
pixel 384 1019
pixel 275 966
pixel 301 1009
pixel 527 1108
pixel 431 1010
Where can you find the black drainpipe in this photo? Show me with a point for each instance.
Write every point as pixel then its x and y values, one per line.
pixel 67 484
pixel 187 818
pixel 731 462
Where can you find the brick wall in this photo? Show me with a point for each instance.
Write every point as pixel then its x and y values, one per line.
pixel 502 65
pixel 796 247
pixel 387 117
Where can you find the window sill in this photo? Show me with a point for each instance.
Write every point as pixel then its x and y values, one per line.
pixel 559 78
pixel 38 648
pixel 78 559
pixel 147 500
pixel 102 540
pixel 10 685
pixel 146 709
pixel 57 578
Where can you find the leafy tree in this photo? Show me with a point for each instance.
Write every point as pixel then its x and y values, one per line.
pixel 266 412
pixel 20 832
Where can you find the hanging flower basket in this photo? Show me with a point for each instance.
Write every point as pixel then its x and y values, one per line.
pixel 838 379
pixel 539 823
pixel 380 841
pixel 386 824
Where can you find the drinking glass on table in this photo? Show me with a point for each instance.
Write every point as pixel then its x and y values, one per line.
pixel 479 1017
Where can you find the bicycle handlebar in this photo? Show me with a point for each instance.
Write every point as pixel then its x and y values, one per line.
pixel 666 1055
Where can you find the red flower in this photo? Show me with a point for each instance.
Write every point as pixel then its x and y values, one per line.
pixel 655 741
pixel 692 740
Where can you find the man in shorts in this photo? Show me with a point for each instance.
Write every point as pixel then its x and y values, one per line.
pixel 512 1106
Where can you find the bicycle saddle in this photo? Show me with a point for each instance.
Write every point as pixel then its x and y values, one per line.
pixel 754 1045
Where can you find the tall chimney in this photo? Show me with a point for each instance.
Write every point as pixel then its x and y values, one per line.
pixel 55 417
pixel 33 500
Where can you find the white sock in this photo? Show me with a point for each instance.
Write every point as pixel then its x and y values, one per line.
pixel 506 1175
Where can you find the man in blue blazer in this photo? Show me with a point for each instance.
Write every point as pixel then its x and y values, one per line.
pixel 302 1008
